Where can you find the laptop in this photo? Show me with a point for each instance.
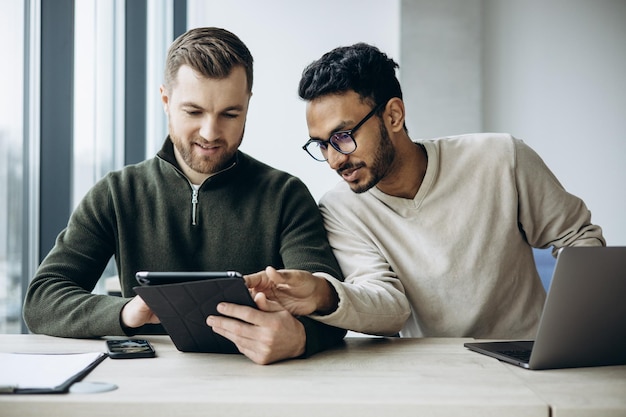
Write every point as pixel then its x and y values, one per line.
pixel 583 322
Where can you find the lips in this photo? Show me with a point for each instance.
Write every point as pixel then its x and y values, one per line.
pixel 350 173
pixel 206 148
pixel 205 145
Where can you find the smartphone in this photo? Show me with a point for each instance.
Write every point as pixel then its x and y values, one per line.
pixel 130 349
pixel 159 278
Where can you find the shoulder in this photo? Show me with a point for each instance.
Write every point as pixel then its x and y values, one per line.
pixel 262 177
pixel 138 178
pixel 474 149
pixel 497 148
pixel 340 195
pixel 473 142
pixel 142 171
pixel 263 171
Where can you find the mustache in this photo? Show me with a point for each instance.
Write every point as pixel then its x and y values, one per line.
pixel 349 166
pixel 201 141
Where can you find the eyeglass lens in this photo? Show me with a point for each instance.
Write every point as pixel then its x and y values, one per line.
pixel 342 141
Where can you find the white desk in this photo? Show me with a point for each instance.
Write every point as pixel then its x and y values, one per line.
pixel 366 377
pixel 598 391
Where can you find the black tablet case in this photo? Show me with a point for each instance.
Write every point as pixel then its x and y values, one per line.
pixel 184 307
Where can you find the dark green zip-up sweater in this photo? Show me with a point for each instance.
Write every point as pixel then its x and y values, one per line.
pixel 147 215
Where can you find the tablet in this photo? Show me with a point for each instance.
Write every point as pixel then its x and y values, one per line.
pixel 158 278
pixel 183 301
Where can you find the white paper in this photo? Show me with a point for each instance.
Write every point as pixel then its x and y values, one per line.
pixel 26 370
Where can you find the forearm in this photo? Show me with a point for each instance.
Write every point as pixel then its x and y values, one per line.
pixel 57 307
pixel 370 306
pixel 372 299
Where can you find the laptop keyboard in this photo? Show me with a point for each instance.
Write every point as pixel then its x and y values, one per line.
pixel 522 355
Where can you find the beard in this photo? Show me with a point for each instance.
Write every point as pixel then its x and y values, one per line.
pixel 202 163
pixel 383 158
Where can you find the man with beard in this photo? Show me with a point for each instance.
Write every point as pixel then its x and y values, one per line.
pixel 434 237
pixel 199 205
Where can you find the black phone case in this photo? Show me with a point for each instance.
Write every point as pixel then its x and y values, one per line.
pixel 183 309
pixel 129 349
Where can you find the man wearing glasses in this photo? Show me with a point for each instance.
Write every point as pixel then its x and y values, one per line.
pixel 434 237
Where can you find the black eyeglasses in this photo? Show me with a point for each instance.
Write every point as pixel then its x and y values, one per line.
pixel 343 141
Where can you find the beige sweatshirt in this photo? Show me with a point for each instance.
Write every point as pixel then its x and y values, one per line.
pixel 456 260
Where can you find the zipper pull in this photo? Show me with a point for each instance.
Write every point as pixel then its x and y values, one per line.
pixel 194 205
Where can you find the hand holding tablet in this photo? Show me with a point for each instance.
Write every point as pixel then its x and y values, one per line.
pixel 183 301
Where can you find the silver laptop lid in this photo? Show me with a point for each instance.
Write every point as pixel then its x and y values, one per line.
pixel 584 318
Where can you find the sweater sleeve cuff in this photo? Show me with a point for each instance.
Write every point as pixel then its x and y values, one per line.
pixel 341 294
pixel 320 336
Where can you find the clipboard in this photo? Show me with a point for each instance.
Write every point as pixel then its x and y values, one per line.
pixel 45 373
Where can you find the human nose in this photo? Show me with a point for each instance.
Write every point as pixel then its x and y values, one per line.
pixel 209 128
pixel 335 158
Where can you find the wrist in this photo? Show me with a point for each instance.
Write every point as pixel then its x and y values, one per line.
pixel 301 348
pixel 124 318
pixel 327 299
pixel 128 318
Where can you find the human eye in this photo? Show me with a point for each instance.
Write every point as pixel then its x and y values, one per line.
pixel 341 138
pixel 192 112
pixel 232 112
pixel 317 145
pixel 321 145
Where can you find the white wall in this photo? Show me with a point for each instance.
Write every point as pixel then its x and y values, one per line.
pixel 284 36
pixel 555 76
pixel 441 66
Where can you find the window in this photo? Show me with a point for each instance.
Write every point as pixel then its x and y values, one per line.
pixel 98 122
pixel 98 93
pixel 86 131
pixel 12 165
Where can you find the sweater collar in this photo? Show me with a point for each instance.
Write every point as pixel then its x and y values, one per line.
pixel 167 154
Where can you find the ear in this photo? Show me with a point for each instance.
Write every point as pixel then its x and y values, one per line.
pixel 165 99
pixel 395 111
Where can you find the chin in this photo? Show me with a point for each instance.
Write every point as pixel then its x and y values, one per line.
pixel 359 188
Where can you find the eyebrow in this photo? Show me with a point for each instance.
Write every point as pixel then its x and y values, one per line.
pixel 236 107
pixel 338 128
pixel 190 104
